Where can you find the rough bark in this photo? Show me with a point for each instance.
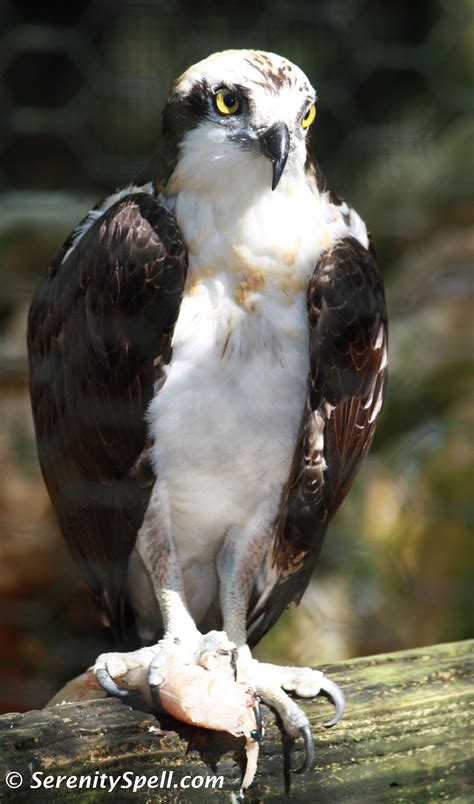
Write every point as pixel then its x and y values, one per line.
pixel 407 736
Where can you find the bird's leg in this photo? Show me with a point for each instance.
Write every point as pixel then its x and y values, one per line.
pixel 190 675
pixel 238 564
pixel 142 669
pixel 182 641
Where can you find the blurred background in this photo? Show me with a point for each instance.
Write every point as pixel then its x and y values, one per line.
pixel 81 92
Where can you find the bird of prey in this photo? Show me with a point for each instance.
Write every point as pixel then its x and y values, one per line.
pixel 208 359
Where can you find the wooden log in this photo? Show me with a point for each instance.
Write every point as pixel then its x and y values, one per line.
pixel 407 736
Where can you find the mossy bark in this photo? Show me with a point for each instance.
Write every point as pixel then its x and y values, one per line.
pixel 407 736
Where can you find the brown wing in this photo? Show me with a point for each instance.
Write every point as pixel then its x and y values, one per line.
pixel 99 327
pixel 348 357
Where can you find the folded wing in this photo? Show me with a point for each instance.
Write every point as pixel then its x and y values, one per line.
pixel 348 359
pixel 99 332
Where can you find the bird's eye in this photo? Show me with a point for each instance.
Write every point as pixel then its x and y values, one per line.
pixel 226 102
pixel 309 117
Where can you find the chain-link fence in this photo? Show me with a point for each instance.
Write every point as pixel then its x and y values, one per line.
pixel 81 90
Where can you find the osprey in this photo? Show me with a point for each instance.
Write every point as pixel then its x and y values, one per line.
pixel 207 365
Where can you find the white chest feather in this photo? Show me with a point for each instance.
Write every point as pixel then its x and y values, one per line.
pixel 226 420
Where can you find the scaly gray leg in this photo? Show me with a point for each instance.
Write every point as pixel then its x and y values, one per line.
pixel 238 563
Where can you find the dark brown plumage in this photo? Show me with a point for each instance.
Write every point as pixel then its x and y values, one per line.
pixel 99 328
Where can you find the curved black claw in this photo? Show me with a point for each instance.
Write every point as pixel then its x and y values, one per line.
pixel 233 662
pixel 257 733
pixel 232 653
pixel 309 749
pixel 334 694
pixel 155 697
pixel 108 684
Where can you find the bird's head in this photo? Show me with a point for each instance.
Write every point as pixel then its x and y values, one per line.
pixel 239 115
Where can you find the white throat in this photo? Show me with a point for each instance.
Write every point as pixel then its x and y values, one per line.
pixel 231 219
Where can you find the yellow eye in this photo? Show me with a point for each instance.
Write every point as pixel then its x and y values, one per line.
pixel 227 102
pixel 309 116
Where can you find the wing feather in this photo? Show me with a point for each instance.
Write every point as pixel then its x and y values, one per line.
pixel 100 323
pixel 346 386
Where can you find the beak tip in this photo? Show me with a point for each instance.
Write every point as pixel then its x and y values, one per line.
pixel 275 145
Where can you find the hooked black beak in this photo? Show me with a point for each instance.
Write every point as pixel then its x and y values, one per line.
pixel 274 143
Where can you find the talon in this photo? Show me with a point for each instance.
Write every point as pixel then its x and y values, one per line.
pixel 108 684
pixel 256 734
pixel 309 749
pixel 233 659
pixel 155 697
pixel 333 693
pixel 233 662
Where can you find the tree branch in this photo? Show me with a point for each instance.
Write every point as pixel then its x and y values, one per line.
pixel 407 736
